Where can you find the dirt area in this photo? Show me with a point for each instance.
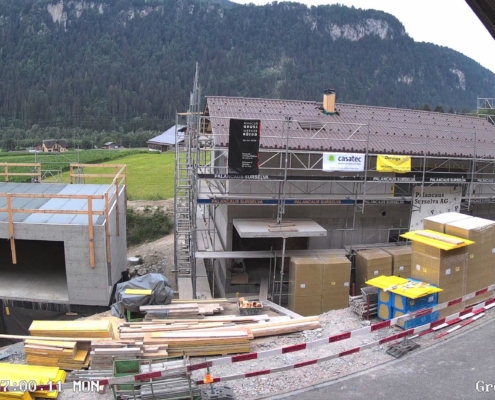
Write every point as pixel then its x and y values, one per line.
pixel 157 256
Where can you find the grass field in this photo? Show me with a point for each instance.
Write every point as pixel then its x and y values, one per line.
pixel 150 176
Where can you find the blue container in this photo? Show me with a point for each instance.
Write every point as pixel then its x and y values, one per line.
pixel 385 297
pixel 413 323
pixel 406 304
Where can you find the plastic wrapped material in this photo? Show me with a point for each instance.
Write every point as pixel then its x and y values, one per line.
pixel 161 294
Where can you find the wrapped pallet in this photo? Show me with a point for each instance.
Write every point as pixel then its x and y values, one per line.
pixel 481 254
pixel 370 264
pixel 305 285
pixel 401 260
pixel 336 281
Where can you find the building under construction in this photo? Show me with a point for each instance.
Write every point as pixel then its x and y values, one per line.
pixel 301 199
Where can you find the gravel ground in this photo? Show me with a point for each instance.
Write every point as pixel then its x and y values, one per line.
pixel 332 323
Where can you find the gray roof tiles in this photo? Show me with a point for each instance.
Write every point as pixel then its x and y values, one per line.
pixel 392 130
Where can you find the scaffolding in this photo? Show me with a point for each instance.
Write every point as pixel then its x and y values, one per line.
pixel 185 196
pixel 485 107
pixel 290 175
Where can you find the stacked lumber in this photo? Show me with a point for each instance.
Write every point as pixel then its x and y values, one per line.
pixel 203 342
pixel 63 354
pixel 72 329
pixel 181 310
pixel 103 353
pixel 26 373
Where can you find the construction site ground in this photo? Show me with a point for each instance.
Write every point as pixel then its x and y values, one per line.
pixel 159 255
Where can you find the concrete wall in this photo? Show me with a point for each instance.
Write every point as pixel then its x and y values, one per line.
pixel 86 285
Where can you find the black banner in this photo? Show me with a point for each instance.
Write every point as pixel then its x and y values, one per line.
pixel 244 144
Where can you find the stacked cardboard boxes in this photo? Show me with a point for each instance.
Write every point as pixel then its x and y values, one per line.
pixel 370 264
pixel 442 268
pixel 318 284
pixel 401 260
pixel 481 254
pixel 437 222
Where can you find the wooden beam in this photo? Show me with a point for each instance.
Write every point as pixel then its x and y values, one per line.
pixel 39 173
pixel 94 175
pixel 53 196
pixel 11 229
pixel 20 164
pixel 6 167
pixel 70 339
pixel 107 229
pixel 20 174
pixel 91 233
pixel 97 165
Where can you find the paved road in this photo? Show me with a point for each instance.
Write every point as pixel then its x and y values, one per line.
pixel 447 370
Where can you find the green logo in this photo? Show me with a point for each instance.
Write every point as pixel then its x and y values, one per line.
pixel 331 158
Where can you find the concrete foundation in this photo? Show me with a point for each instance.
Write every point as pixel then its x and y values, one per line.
pixel 72 281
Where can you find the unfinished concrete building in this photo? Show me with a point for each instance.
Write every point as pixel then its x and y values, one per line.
pixel 451 156
pixel 63 246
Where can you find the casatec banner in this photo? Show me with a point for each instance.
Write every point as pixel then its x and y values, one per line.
pixel 343 162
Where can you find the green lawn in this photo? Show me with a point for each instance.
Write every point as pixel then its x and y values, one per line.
pixel 150 176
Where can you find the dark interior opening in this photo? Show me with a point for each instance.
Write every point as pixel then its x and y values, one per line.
pixel 39 274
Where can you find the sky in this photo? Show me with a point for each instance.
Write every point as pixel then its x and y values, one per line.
pixel 449 23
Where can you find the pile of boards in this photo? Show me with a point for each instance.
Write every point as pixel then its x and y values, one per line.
pixel 182 310
pixel 22 374
pixel 67 353
pixel 220 335
pixel 103 353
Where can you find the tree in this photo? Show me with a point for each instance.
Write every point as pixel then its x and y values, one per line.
pixel 439 109
pixel 426 107
pixel 451 110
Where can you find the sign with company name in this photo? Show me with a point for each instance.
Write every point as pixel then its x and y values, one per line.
pixel 433 200
pixel 392 163
pixel 343 162
pixel 244 143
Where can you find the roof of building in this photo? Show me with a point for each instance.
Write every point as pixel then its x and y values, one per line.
pixel 168 137
pixel 391 130
pixel 51 142
pixel 52 203
pixel 485 10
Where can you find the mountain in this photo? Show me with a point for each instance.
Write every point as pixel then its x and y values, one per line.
pixel 129 64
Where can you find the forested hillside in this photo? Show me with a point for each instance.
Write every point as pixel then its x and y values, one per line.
pixel 128 65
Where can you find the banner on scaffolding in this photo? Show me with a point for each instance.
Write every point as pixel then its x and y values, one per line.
pixel 433 200
pixel 392 163
pixel 343 162
pixel 244 144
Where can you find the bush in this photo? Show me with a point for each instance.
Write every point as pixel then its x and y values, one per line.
pixel 147 225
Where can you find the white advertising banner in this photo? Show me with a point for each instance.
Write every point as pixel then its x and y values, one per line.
pixel 343 162
pixel 432 201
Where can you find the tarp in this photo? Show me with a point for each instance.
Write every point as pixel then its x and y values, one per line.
pixel 161 294
pixel 393 163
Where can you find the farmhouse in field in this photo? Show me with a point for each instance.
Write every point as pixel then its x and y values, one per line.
pixel 54 145
pixel 110 145
pixel 166 140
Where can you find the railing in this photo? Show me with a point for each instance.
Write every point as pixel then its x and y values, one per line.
pixel 110 197
pixel 36 172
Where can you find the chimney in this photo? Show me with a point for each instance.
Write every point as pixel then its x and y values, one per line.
pixel 329 102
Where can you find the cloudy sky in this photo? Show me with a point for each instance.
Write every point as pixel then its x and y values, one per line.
pixel 449 23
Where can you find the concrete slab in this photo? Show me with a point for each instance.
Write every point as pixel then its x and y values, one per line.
pixel 255 228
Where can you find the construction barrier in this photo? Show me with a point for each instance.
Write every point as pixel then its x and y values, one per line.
pixel 462 316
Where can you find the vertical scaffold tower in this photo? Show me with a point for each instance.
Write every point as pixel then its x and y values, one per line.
pixel 185 188
pixel 486 108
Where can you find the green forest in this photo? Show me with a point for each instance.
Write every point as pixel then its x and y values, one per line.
pixel 119 70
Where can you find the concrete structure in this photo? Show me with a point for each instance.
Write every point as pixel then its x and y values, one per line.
pixel 62 243
pixel 362 207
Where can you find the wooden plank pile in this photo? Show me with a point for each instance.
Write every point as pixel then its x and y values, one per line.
pixel 103 353
pixel 64 353
pixel 182 310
